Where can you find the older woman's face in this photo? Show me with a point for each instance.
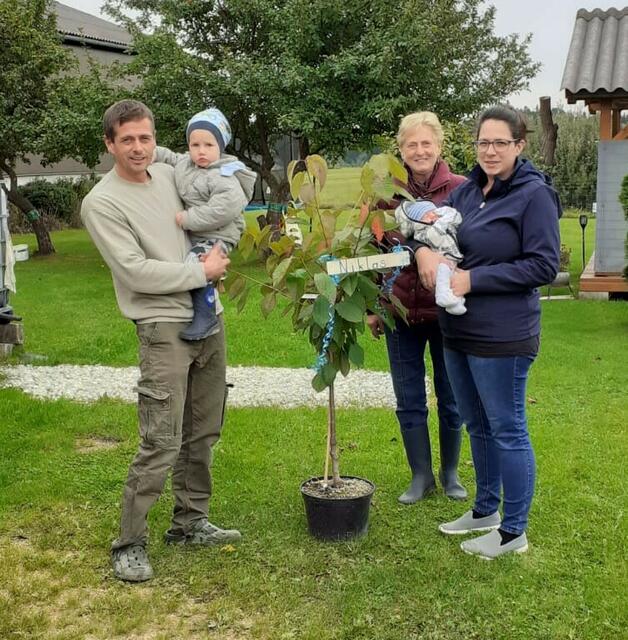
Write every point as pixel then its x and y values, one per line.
pixel 420 151
pixel 498 162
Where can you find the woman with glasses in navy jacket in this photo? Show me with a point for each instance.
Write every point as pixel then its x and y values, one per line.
pixel 509 238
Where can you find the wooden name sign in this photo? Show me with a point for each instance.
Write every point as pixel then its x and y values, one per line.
pixel 368 263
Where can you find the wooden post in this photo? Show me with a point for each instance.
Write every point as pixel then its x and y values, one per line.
pixel 606 123
pixel 10 334
pixel 550 131
pixel 615 122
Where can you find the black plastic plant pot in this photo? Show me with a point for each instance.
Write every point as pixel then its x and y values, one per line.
pixel 335 517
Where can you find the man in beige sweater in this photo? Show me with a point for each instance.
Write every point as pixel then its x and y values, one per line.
pixel 130 215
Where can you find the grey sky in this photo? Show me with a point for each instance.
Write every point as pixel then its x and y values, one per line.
pixel 550 22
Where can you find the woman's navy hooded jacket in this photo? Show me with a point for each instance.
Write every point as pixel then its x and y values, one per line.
pixel 510 242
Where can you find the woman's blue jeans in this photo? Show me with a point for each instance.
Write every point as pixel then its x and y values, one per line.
pixel 491 397
pixel 406 353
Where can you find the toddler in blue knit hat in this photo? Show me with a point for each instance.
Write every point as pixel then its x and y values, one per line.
pixel 436 228
pixel 214 187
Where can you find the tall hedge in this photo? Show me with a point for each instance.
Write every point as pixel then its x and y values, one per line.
pixel 623 199
pixel 575 168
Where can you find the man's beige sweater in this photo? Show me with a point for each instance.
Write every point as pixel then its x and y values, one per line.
pixel 133 225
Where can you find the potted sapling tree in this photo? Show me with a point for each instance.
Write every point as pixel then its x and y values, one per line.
pixel 329 278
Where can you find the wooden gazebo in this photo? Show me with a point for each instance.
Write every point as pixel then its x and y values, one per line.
pixel 596 72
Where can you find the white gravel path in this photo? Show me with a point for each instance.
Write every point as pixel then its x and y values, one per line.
pixel 253 386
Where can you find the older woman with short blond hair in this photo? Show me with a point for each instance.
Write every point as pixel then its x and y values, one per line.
pixel 420 139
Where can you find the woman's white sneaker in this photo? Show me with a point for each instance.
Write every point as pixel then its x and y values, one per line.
pixel 468 524
pixel 490 546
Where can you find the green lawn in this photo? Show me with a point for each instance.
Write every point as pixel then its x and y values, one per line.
pixel 59 500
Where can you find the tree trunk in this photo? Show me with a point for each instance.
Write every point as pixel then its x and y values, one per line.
pixel 44 241
pixel 549 133
pixel 304 147
pixel 333 447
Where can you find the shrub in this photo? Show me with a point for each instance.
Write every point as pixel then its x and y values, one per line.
pixel 565 257
pixel 59 200
pixel 53 198
pixel 623 199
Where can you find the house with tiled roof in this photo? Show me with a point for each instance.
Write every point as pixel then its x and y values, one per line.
pixel 88 37
pixel 596 72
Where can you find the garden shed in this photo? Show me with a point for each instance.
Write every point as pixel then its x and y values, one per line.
pixel 596 72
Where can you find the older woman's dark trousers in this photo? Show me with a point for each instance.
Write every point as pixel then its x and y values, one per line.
pixel 406 353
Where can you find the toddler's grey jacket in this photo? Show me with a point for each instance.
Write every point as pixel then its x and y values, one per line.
pixel 214 197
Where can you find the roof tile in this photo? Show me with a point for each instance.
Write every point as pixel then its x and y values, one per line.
pixel 73 22
pixel 598 53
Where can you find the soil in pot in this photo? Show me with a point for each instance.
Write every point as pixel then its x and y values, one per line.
pixel 337 513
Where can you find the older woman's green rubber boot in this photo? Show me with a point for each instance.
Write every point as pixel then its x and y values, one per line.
pixel 418 452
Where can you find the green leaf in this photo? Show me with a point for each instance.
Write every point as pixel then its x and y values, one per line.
pixel 379 164
pixel 328 373
pixel 236 287
pixel 367 178
pixel 406 194
pixel 321 311
pixel 345 365
pixel 368 288
pixel 349 311
pixel 307 192
pixel 356 354
pixel 358 300
pixel 318 168
pixel 349 283
pixel 271 263
pixel 328 222
pixel 318 383
pixel 268 303
pixel 296 183
pixel 247 244
pixel 388 319
pixel 304 313
pixel 397 170
pixel 243 300
pixel 401 310
pixel 281 270
pixel 282 246
pixel 295 287
pixel 316 333
pixel 325 286
pixel 290 170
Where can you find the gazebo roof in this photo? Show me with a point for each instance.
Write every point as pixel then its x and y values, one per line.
pixel 597 62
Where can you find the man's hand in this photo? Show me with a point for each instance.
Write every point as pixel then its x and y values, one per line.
pixel 427 262
pixel 215 263
pixel 179 218
pixel 376 325
pixel 461 282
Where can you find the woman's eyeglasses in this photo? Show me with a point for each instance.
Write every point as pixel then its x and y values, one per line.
pixel 498 145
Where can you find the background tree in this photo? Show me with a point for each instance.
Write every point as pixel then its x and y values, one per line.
pixel 43 110
pixel 331 73
pixel 574 171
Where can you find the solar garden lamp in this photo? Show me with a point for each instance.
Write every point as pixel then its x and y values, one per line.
pixel 583 220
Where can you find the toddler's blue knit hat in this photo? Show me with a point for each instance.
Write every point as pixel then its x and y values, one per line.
pixel 214 121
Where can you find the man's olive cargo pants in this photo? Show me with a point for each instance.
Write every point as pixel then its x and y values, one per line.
pixel 181 403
